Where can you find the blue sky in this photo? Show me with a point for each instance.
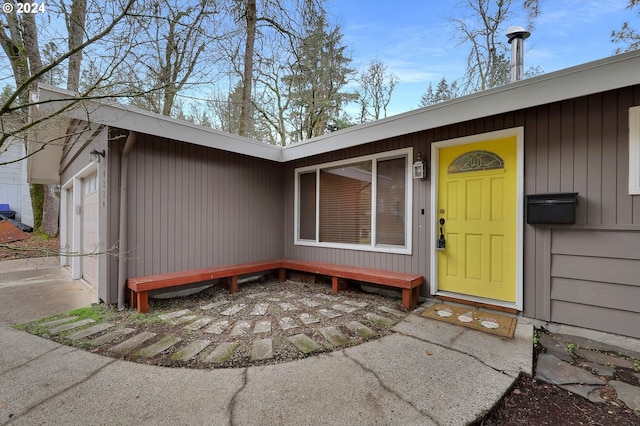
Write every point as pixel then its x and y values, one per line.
pixel 415 40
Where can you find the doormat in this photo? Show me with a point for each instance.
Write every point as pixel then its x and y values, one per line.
pixel 465 316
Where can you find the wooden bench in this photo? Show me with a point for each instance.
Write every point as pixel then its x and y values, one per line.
pixel 409 283
pixel 140 287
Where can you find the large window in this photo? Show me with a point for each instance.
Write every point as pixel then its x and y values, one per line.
pixel 361 203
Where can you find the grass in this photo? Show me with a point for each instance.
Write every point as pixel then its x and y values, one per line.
pixel 98 313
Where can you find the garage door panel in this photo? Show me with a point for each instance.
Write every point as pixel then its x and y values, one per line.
pixel 90 230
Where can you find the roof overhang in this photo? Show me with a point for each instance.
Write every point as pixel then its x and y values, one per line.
pixel 606 74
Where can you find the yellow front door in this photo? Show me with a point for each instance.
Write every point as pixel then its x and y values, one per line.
pixel 477 203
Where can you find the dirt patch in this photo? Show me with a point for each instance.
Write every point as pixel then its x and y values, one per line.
pixel 535 402
pixel 31 246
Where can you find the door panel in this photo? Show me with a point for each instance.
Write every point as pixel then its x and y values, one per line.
pixel 477 199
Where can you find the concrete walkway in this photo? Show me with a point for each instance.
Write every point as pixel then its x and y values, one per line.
pixel 428 372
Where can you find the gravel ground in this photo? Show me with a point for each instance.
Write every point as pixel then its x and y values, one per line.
pixel 269 292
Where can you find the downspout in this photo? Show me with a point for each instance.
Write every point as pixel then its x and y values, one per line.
pixel 122 237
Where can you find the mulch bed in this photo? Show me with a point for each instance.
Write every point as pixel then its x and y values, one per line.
pixel 533 402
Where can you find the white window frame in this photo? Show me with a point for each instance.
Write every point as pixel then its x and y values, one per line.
pixel 405 249
pixel 634 150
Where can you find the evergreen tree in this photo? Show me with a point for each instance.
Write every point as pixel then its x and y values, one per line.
pixel 318 76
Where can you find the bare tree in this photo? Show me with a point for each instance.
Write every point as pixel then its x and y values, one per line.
pixel 171 50
pixel 259 18
pixel 27 69
pixel 482 29
pixel 376 87
pixel 626 35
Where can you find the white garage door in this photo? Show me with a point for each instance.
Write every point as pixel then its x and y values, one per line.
pixel 90 230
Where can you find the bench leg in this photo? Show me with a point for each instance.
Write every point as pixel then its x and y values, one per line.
pixel 415 296
pixel 335 284
pixel 132 299
pixel 141 301
pixel 233 287
pixel 282 274
pixel 407 296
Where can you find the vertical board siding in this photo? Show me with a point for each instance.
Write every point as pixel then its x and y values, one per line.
pixel 193 207
pixel 577 145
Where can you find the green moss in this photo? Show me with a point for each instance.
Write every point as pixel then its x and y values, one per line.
pixel 144 318
pixel 37 203
pixel 98 313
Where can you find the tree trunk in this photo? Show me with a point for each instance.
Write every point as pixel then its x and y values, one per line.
pixel 247 77
pixel 51 210
pixel 75 26
pixel 36 191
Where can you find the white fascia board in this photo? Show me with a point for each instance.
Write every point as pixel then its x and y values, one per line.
pixel 134 119
pixel 606 74
pixel 594 77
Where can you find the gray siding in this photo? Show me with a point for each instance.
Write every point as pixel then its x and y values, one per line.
pixel 594 279
pixel 193 207
pixel 75 156
pixel 578 145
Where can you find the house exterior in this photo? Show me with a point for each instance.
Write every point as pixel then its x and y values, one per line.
pixel 14 189
pixel 170 196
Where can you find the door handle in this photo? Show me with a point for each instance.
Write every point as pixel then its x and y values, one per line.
pixel 442 242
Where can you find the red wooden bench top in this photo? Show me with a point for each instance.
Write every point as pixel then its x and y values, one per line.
pixel 408 283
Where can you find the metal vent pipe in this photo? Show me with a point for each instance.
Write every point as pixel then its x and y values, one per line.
pixel 516 36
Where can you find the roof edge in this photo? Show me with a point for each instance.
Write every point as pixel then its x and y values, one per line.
pixel 621 71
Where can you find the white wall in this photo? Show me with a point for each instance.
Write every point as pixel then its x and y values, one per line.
pixel 14 189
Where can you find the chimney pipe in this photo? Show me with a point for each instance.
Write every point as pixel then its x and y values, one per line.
pixel 516 36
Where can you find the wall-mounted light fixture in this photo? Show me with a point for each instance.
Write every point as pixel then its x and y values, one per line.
pixel 95 155
pixel 419 168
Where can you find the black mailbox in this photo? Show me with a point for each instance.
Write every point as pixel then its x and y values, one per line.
pixel 558 208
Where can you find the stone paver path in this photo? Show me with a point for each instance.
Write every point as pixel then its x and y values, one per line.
pixel 334 336
pixel 260 309
pixel 59 321
pixel 304 343
pixel 361 330
pixel 223 329
pixel 71 325
pixel 329 313
pixel 261 350
pixel 175 314
pixel 222 352
pixel 287 323
pixel 182 320
pixel 241 328
pixel 218 327
pixel 90 331
pixel 198 324
pixel 262 327
pixel 191 350
pixel 111 336
pixel 160 346
pixel 308 319
pixel 234 309
pixel 132 343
